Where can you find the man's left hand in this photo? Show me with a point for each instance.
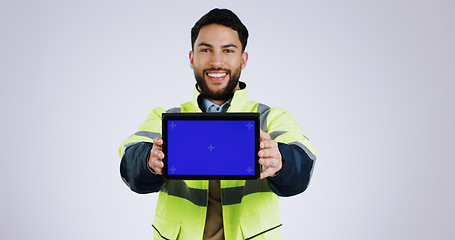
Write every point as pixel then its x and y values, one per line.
pixel 270 156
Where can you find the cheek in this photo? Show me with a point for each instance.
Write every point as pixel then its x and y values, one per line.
pixel 198 70
pixel 195 65
pixel 237 62
pixel 200 59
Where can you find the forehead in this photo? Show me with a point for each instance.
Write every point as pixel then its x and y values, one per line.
pixel 215 34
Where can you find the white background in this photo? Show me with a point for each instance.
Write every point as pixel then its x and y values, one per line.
pixel 370 82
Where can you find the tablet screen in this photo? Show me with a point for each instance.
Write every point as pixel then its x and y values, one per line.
pixel 211 145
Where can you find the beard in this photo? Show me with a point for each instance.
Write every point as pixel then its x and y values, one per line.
pixel 222 94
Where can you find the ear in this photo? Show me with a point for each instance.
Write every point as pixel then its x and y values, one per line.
pixel 244 59
pixel 191 55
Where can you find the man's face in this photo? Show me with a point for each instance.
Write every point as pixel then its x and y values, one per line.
pixel 217 61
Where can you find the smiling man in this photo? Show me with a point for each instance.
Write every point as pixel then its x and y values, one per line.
pixel 217 60
pixel 220 209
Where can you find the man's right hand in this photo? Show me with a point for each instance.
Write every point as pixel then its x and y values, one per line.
pixel 155 161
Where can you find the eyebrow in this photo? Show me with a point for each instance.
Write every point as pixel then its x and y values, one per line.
pixel 230 45
pixel 224 46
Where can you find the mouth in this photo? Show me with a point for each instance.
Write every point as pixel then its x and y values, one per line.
pixel 216 76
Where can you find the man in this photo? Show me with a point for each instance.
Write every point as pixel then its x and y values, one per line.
pixel 226 209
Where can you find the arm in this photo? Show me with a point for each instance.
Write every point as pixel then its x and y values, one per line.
pixel 135 172
pixel 297 169
pixel 139 155
pixel 289 157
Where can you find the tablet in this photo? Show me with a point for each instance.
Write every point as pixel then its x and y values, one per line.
pixel 211 145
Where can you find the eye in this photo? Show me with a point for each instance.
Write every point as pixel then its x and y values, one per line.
pixel 228 51
pixel 204 50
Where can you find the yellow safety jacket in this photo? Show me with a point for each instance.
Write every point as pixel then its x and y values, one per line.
pixel 250 207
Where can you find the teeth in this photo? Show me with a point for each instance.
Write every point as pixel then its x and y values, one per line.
pixel 217 75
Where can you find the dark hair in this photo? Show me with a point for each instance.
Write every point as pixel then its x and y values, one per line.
pixel 223 17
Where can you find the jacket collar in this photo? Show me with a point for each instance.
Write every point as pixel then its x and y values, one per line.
pixel 238 100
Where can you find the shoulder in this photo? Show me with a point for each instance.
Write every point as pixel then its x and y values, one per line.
pixel 266 110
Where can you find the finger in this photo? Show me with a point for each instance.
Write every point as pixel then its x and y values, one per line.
pixel 155 161
pixel 266 153
pixel 157 169
pixel 267 173
pixel 268 144
pixel 270 153
pixel 156 165
pixel 159 164
pixel 158 141
pixel 155 150
pixel 267 162
pixel 264 136
pixel 156 153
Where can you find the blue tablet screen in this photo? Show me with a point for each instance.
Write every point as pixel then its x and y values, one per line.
pixel 211 147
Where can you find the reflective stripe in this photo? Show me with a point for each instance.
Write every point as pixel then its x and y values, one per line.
pixel 307 151
pixel 124 180
pixel 264 111
pixel 179 188
pixel 275 134
pixel 151 135
pixel 130 144
pixel 174 110
pixel 234 195
pixel 229 196
pixel 310 155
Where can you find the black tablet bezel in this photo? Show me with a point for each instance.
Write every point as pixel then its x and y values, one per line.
pixel 211 116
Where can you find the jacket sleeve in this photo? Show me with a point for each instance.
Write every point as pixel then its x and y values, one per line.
pixel 297 152
pixel 295 174
pixel 134 170
pixel 134 154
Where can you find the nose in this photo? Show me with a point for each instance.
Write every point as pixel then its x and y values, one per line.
pixel 216 59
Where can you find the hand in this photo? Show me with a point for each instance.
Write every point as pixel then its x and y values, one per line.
pixel 155 161
pixel 270 156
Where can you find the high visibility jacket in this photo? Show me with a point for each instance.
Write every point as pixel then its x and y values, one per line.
pixel 249 207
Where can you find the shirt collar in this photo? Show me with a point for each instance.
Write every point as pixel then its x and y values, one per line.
pixel 207 106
